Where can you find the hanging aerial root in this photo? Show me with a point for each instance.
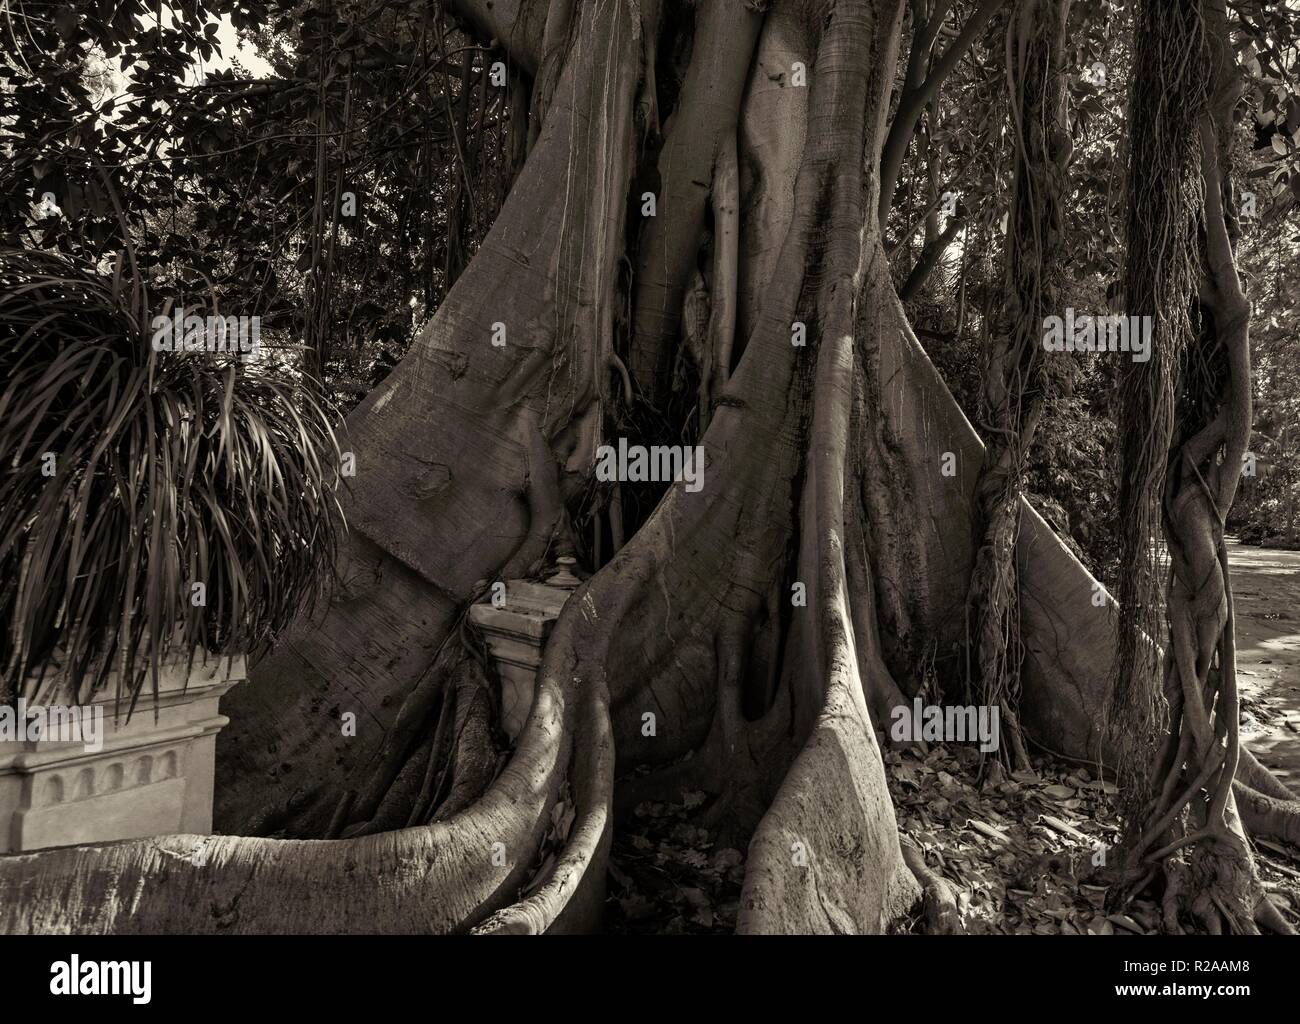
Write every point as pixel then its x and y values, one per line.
pixel 1165 193
pixel 697 135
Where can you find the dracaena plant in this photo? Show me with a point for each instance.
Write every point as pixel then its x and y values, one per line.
pixel 129 475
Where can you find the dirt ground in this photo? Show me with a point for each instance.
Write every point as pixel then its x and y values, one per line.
pixel 1266 589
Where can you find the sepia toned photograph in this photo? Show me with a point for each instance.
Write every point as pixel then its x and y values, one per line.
pixel 637 468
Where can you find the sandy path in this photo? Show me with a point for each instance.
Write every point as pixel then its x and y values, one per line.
pixel 1266 587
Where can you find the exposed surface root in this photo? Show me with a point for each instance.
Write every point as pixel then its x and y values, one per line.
pixel 939 903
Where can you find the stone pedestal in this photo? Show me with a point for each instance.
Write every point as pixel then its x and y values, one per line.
pixel 152 776
pixel 516 634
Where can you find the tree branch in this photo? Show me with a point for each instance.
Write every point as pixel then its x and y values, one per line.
pixel 517 26
pixel 931 254
pixel 915 96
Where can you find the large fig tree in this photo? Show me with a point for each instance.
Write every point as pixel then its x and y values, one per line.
pixel 692 252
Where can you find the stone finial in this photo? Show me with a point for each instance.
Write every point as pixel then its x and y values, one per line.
pixel 563 575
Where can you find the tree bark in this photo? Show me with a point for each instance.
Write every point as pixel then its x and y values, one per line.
pixel 1015 379
pixel 823 468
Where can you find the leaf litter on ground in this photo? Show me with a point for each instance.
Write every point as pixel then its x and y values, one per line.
pixel 1018 850
pixel 667 876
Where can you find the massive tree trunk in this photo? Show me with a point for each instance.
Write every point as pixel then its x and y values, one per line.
pixel 822 469
pixel 464 456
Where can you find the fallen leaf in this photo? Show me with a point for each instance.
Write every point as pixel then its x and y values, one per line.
pixel 1124 921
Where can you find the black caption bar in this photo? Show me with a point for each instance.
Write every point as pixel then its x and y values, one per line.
pixel 167 973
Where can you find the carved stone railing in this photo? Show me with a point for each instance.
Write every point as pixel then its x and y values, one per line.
pixel 516 619
pixel 151 774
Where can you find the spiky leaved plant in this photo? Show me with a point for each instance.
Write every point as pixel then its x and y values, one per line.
pixel 128 475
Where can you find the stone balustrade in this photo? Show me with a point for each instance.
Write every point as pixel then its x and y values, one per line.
pixel 516 630
pixel 152 775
